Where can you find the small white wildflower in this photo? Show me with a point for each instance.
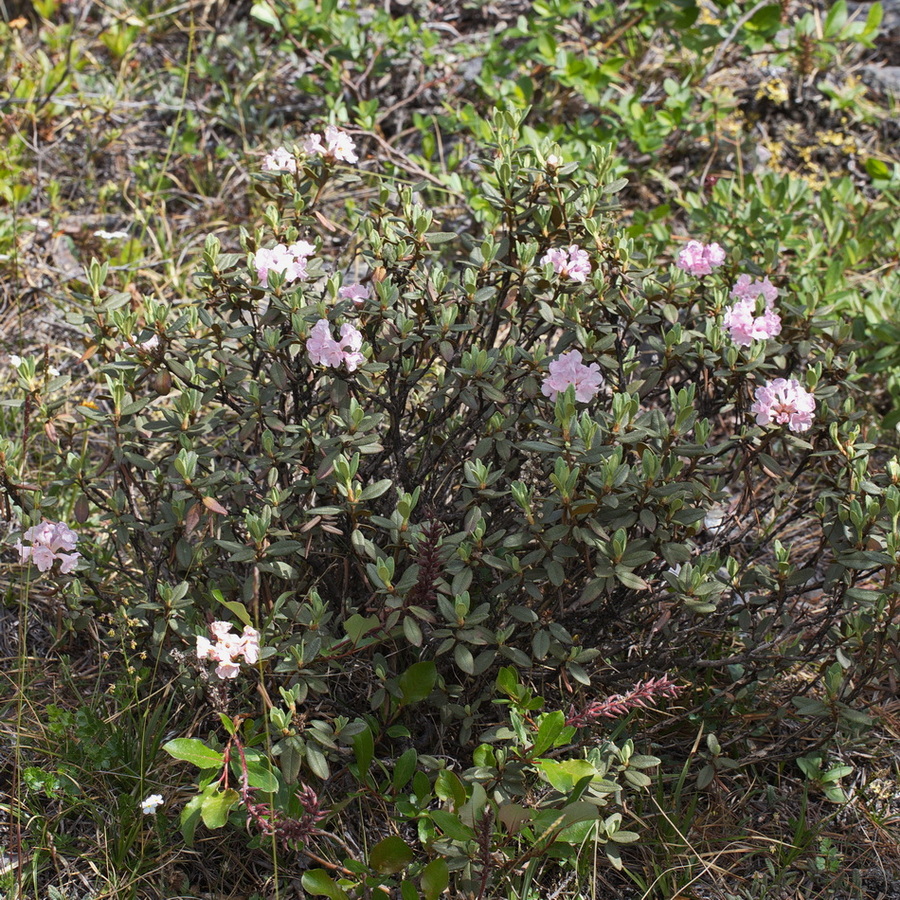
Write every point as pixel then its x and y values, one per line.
pixel 111 235
pixel 151 804
pixel 15 360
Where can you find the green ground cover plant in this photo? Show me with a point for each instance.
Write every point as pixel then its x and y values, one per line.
pixel 447 451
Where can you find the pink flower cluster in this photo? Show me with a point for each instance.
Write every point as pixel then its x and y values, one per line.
pixel 280 160
pixel 742 321
pixel 569 370
pixel 334 145
pixel 290 260
pixel 47 541
pixel 573 263
pixel 355 292
pixel 639 697
pixel 324 350
pixel 700 259
pixel 784 403
pixel 227 647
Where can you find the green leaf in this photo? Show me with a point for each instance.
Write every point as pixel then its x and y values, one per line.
pixel 565 774
pixel 450 824
pixel 364 749
pixel 215 807
pixel 836 19
pixel 189 818
pixel 448 787
pixel 877 169
pixel 263 12
pixel 551 725
pixel 259 775
pixel 390 856
pixel 464 659
pixel 630 580
pixel 435 879
pixel 417 681
pixel 321 884
pixel 316 761
pixel 767 20
pixel 375 490
pixel 196 752
pixel 404 769
pixel 625 837
pixel 357 627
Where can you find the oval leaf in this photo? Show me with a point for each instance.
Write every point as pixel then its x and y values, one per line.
pixel 196 752
pixel 390 856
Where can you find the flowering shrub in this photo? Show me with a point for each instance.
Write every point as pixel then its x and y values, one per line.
pixel 440 511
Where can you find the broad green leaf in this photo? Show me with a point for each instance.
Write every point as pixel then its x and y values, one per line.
pixel 321 884
pixel 234 607
pixel 189 818
pixel 215 807
pixel 404 769
pixel 551 725
pixel 417 682
pixel 434 879
pixel 565 774
pixel 447 786
pixel 316 761
pixel 390 856
pixel 357 627
pixel 259 775
pixel 262 11
pixel 450 824
pixel 196 752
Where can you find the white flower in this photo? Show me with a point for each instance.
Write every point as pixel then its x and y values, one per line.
pixel 15 360
pixel 111 235
pixel 151 804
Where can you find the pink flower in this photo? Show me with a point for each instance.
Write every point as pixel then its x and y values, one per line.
pixel 302 249
pixel 313 145
pixel 573 263
pixel 785 403
pixel 250 645
pixel 147 346
pixel 741 319
pixel 700 259
pixel 355 292
pixel 338 145
pixel 280 259
pixel 324 350
pixel 48 540
pixel 228 647
pixel 747 288
pixel 350 343
pixel 568 370
pixel 280 160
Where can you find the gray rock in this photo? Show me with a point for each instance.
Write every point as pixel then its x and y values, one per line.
pixel 883 78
